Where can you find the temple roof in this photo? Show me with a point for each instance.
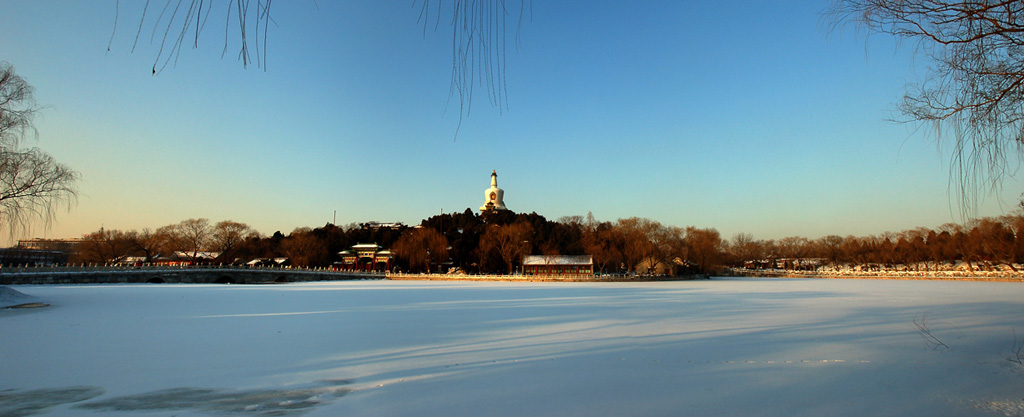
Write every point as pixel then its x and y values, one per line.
pixel 366 246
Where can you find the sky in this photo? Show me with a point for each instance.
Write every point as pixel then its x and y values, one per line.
pixel 745 116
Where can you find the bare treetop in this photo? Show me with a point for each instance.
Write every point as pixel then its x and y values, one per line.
pixel 17 106
pixel 32 184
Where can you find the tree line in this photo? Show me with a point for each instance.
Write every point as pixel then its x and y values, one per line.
pixel 496 242
pixel 983 244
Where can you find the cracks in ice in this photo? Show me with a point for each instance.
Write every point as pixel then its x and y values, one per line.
pixel 20 403
pixel 261 402
pixel 258 402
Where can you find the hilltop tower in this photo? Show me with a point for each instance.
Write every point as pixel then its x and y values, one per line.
pixel 494 197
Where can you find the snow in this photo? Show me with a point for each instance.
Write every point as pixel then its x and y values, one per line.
pixel 10 297
pixel 752 347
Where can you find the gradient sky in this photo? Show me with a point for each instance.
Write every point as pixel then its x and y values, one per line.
pixel 745 116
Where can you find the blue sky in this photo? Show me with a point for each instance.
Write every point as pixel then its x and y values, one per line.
pixel 745 116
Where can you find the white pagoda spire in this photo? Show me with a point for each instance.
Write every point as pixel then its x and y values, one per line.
pixel 494 197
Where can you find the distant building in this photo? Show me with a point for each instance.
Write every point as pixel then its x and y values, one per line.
pixel 558 265
pixel 379 225
pixel 35 252
pixel 269 262
pixel 63 245
pixel 494 197
pixel 185 258
pixel 32 257
pixel 366 257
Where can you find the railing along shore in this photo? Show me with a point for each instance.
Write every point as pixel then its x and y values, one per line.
pixel 184 274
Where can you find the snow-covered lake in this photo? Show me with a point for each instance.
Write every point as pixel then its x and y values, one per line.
pixel 750 347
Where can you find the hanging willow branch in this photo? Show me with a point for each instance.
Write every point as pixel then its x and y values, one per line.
pixel 974 94
pixel 33 186
pixel 181 22
pixel 479 31
pixel 479 46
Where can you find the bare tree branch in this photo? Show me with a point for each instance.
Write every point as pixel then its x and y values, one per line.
pixel 33 186
pixel 479 29
pixel 17 107
pixel 974 95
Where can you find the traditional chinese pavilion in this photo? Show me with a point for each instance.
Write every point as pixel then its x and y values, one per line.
pixel 366 257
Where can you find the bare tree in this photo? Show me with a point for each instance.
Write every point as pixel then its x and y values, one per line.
pixel 574 221
pixel 641 240
pixel 940 248
pixel 227 234
pixel 197 235
pixel 960 244
pixel 17 107
pixel 677 250
pixel 146 242
pixel 770 251
pixel 745 248
pixel 104 247
pixel 794 247
pixel 831 248
pixel 420 247
pixel 974 95
pixel 189 237
pixel 510 242
pixel 304 248
pixel 33 186
pixel 704 247
pixel 1015 222
pixel 602 241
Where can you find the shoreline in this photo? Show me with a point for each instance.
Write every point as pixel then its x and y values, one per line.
pixel 538 278
pixel 887 275
pixel 908 276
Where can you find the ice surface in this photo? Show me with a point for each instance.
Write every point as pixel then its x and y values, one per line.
pixel 752 347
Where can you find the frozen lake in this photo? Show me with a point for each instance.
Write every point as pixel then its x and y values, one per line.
pixel 753 347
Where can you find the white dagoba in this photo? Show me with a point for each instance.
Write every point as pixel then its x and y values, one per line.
pixel 494 197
